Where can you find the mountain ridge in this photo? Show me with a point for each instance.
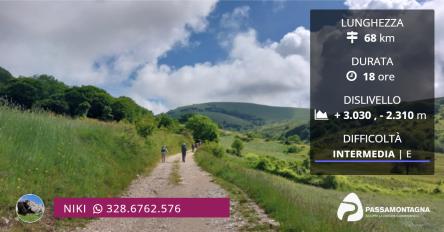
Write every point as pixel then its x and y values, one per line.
pixel 243 116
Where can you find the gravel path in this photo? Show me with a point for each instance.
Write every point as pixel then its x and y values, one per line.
pixel 194 183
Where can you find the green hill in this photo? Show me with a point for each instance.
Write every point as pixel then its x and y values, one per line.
pixel 243 116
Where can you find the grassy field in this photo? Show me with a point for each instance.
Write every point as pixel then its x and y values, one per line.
pixel 287 200
pixel 300 207
pixel 55 156
pixel 390 184
pixel 267 148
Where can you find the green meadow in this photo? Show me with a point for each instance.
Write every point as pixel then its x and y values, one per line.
pixel 51 156
pixel 302 202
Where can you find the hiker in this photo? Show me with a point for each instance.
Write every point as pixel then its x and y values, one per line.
pixel 184 151
pixel 193 146
pixel 164 151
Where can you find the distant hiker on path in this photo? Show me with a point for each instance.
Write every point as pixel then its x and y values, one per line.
pixel 193 147
pixel 164 152
pixel 184 151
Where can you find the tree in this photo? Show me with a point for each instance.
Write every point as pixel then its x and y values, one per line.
pixel 98 99
pixel 48 86
pixel 55 105
pixel 203 128
pixel 184 117
pixel 145 126
pixel 237 146
pixel 124 108
pixel 100 107
pixel 5 76
pixel 75 97
pixel 22 93
pixel 165 121
pixel 82 109
pixel 47 92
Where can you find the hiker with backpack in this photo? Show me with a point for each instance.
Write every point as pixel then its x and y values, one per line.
pixel 184 151
pixel 164 152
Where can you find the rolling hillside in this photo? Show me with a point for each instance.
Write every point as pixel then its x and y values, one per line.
pixel 51 155
pixel 243 116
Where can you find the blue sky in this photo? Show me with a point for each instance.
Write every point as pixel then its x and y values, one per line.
pixel 271 20
pixel 166 54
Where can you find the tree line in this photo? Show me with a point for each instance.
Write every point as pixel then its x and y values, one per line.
pixel 47 93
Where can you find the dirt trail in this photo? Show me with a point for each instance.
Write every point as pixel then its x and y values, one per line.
pixel 194 183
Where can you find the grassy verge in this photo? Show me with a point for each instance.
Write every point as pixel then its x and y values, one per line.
pixel 55 156
pixel 243 207
pixel 296 206
pixel 174 177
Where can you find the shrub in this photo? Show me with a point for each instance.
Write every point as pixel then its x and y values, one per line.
pixel 287 173
pixel 82 109
pixel 294 139
pixel 237 146
pixel 165 120
pixel 215 149
pixel 265 164
pixel 145 127
pixel 306 163
pixel 293 149
pixel 437 189
pixel 329 182
pixel 203 128
pixel 292 170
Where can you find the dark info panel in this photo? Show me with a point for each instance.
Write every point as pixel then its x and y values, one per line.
pixel 372 92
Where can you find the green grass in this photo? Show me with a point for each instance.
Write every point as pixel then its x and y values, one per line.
pixel 296 206
pixel 382 189
pixel 244 207
pixel 387 184
pixel 300 207
pixel 400 184
pixel 267 148
pixel 275 130
pixel 55 156
pixel 174 177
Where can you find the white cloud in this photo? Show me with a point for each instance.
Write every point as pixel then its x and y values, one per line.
pixel 274 74
pixel 233 23
pixel 254 72
pixel 278 5
pixel 66 39
pixel 235 19
pixel 382 4
pixel 438 6
pixel 296 42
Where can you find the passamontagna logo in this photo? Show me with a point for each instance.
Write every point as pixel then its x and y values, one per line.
pixel 351 209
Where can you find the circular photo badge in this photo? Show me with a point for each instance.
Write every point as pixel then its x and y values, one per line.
pixel 30 208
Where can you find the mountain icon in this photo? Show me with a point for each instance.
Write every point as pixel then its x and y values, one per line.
pixel 319 115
